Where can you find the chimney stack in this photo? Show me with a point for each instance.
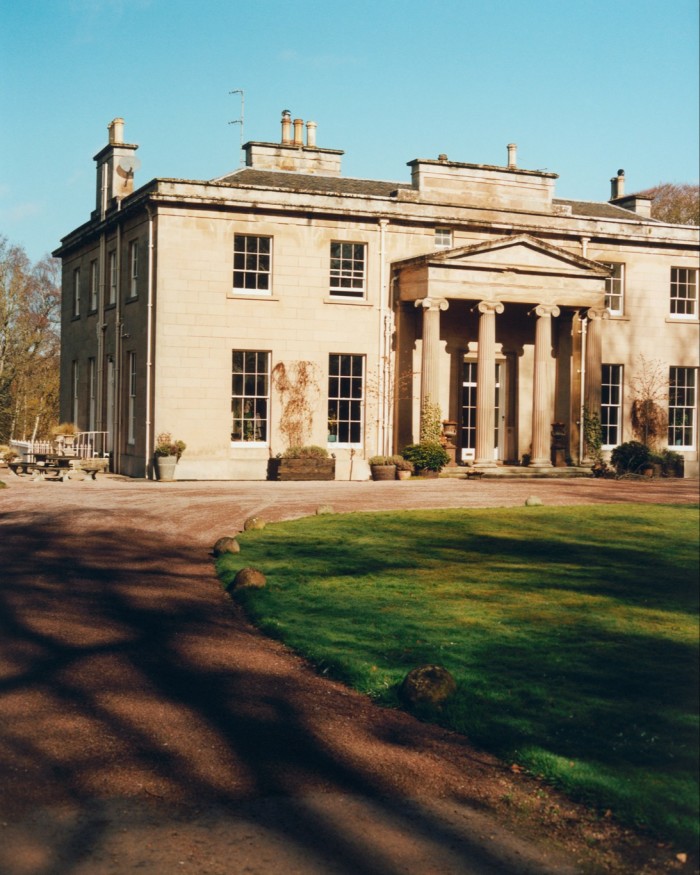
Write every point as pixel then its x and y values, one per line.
pixel 617 185
pixel 286 127
pixel 311 135
pixel 512 156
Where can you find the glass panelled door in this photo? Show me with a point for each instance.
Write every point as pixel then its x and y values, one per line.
pixel 468 443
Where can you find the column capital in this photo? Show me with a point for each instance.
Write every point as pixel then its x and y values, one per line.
pixel 432 303
pixel 490 307
pixel 547 310
pixel 598 313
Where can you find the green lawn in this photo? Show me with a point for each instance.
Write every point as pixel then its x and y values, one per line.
pixel 572 634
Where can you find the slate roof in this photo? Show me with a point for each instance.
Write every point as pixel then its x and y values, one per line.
pixel 596 210
pixel 307 182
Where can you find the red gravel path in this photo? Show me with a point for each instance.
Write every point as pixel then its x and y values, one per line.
pixel 145 726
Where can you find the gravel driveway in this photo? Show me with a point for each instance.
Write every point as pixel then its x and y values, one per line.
pixel 145 726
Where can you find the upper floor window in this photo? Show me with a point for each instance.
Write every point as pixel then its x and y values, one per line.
pixel 345 398
pixel 443 238
pixel 250 396
pixel 684 292
pixel 76 292
pixel 615 289
pixel 252 261
pixel 133 268
pixel 348 269
pixel 611 404
pixel 94 284
pixel 682 408
pixel 112 299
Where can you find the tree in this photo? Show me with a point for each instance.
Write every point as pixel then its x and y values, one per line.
pixel 29 343
pixel 649 391
pixel 678 203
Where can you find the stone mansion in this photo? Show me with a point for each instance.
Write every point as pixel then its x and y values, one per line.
pixel 284 302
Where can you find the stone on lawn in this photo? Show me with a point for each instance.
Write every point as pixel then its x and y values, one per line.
pixel 227 544
pixel 254 522
pixel 324 508
pixel 427 685
pixel 249 578
pixel 533 501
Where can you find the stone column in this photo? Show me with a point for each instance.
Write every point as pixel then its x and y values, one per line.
pixel 486 383
pixel 430 358
pixel 542 394
pixel 593 366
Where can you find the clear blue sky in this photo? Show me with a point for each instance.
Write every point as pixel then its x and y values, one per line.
pixel 584 87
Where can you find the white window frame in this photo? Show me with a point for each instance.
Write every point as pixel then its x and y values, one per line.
pixel 134 269
pixel 682 406
pixel 684 306
pixel 348 269
pixel 131 401
pixel 92 394
pixel 76 292
pixel 615 288
pixel 94 284
pixel 252 268
pixel 443 238
pixel 250 398
pixel 611 404
pixel 112 278
pixel 346 399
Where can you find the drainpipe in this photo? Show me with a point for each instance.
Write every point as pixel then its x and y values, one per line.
pixel 117 356
pixel 381 345
pixel 149 347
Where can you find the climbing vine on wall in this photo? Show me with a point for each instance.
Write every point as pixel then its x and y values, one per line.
pixel 298 389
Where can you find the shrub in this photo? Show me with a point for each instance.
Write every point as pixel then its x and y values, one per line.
pixel 381 460
pixel 310 452
pixel 630 457
pixel 401 463
pixel 427 455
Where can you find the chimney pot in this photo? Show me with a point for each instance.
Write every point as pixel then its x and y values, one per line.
pixel 512 156
pixel 116 131
pixel 617 185
pixel 442 157
pixel 311 135
pixel 286 126
pixel 298 132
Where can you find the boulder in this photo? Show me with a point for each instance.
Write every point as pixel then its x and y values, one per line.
pixel 324 508
pixel 430 685
pixel 227 544
pixel 533 501
pixel 249 578
pixel 254 522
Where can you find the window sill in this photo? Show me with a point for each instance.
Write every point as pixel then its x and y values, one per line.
pixel 250 296
pixel 618 317
pixel 249 445
pixel 682 320
pixel 339 299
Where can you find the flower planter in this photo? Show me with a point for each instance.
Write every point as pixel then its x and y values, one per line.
pixel 403 475
pixel 165 467
pixel 383 472
pixel 301 469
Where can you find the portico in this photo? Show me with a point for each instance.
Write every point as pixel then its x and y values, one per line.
pixel 476 304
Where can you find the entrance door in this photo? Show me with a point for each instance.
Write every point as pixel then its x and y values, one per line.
pixel 468 442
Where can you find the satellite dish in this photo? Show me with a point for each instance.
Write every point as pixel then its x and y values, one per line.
pixel 127 166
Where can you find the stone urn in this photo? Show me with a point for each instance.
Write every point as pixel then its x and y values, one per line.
pixel 165 467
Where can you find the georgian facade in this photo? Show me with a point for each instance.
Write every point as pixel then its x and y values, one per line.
pixel 284 303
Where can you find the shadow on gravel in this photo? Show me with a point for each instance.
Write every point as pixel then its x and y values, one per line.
pixel 124 679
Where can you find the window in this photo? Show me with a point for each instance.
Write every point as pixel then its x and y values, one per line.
pixel 133 268
pixel 615 289
pixel 682 408
pixel 92 393
pixel 443 238
pixel 94 285
pixel 76 292
pixel 74 391
pixel 348 269
pixel 611 404
pixel 345 398
pixel 131 407
pixel 684 292
pixel 250 396
pixel 251 263
pixel 112 278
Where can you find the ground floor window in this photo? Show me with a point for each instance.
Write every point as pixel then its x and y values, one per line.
pixel 469 384
pixel 611 405
pixel 682 400
pixel 131 411
pixel 345 398
pixel 250 396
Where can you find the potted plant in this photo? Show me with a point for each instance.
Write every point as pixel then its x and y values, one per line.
pixel 382 468
pixel 167 453
pixel 428 457
pixel 332 430
pixel 404 468
pixel 631 457
pixel 302 463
